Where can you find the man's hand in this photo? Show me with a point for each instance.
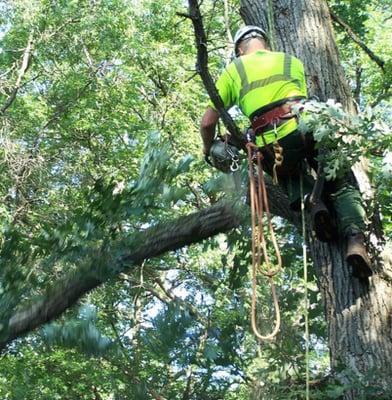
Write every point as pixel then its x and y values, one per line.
pixel 207 129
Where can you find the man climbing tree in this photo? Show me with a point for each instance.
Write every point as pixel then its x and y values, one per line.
pixel 85 204
pixel 265 84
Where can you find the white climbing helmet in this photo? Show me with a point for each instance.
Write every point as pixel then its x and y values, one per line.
pixel 246 32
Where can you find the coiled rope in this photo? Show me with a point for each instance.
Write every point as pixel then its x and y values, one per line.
pixel 260 256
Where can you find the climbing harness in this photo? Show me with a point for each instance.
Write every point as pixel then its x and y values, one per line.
pixel 223 156
pixel 263 119
pixel 261 263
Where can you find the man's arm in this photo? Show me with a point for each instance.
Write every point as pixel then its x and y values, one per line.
pixel 207 128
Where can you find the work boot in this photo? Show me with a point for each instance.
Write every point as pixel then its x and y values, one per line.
pixel 357 255
pixel 322 223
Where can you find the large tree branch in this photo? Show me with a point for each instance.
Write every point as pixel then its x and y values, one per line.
pixel 151 243
pixel 202 66
pixel 357 40
pixel 102 266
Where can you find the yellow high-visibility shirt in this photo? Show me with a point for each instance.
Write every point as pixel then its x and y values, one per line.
pixel 258 79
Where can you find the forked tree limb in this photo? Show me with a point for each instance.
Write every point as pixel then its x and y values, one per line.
pixel 358 41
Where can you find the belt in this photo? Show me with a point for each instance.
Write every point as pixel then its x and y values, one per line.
pixel 273 117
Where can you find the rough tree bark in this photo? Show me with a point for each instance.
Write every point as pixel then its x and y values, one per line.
pixel 358 313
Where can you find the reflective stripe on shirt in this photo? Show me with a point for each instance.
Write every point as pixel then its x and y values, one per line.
pixel 246 87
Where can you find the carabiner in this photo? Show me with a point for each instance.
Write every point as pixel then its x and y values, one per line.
pixel 234 165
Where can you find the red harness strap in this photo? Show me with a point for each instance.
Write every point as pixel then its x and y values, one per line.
pixel 273 117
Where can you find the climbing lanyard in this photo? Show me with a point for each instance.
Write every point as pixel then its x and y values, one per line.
pixel 260 256
pixel 278 156
pixel 306 305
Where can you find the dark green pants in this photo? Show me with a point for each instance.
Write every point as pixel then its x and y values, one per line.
pixel 345 198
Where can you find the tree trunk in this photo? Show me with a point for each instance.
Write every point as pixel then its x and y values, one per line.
pixel 357 313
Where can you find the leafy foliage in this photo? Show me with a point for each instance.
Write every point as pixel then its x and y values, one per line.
pixel 345 138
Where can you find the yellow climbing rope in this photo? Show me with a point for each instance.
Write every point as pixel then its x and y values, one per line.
pixel 260 256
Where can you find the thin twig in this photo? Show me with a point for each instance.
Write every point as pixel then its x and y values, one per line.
pixel 358 86
pixel 230 40
pixel 3 75
pixel 23 69
pixel 191 77
pixel 47 35
pixel 183 15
